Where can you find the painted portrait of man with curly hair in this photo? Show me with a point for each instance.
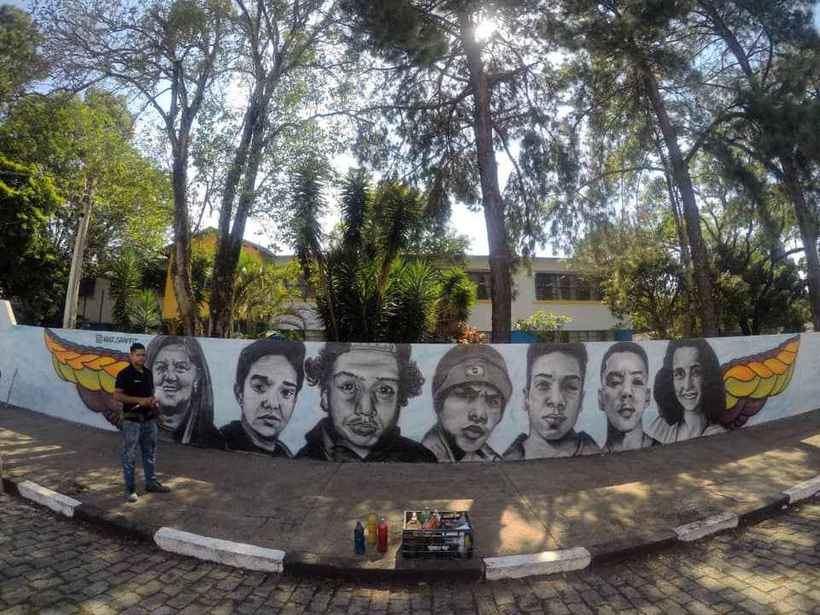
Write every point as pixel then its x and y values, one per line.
pixel 363 388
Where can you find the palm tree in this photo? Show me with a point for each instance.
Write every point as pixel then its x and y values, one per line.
pixel 368 291
pixel 126 277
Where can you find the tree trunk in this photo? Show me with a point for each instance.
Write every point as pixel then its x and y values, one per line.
pixel 500 256
pixel 807 224
pixel 181 260
pixel 683 181
pixel 686 260
pixel 228 250
pixel 72 294
pixel 770 228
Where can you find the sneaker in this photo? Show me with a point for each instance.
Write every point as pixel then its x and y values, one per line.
pixel 132 497
pixel 157 487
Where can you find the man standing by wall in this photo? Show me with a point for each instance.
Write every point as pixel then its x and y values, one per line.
pixel 135 390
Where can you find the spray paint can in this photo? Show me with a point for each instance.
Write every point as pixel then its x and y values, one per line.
pixel 372 523
pixel 358 538
pixel 383 533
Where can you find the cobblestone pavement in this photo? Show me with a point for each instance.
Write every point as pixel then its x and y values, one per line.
pixel 52 565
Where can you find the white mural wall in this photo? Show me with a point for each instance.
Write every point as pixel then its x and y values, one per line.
pixel 425 403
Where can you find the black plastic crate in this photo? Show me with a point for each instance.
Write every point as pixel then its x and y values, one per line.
pixel 445 542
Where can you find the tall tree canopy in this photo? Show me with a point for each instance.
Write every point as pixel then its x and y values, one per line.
pixel 30 266
pixel 450 98
pixel 20 60
pixel 114 196
pixel 169 53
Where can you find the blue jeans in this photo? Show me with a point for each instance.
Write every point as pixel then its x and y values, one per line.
pixel 143 435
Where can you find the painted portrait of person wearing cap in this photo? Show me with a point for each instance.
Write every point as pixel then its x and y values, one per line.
pixel 363 388
pixel 553 399
pixel 471 388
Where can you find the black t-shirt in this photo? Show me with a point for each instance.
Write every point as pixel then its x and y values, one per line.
pixel 136 383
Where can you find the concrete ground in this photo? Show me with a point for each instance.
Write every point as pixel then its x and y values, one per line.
pixel 52 565
pixel 309 508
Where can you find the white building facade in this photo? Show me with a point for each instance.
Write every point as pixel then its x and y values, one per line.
pixel 548 284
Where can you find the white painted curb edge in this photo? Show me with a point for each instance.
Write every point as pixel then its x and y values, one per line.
pixel 235 554
pixel 55 501
pixel 705 527
pixel 546 562
pixel 804 490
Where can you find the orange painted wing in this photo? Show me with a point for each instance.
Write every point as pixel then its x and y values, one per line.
pixel 751 381
pixel 93 370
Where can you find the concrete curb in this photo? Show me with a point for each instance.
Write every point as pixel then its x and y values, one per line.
pixel 302 563
pixel 622 548
pixel 804 490
pixel 236 554
pixel 50 499
pixel 115 523
pixel 706 527
pixel 252 557
pixel 535 564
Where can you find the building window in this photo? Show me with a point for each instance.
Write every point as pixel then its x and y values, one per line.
pixel 564 287
pixel 605 335
pixel 482 281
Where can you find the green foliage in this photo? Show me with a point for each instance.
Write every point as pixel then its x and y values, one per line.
pixel 126 275
pixel 145 315
pixel 263 294
pixel 85 146
pixel 545 326
pixel 401 30
pixel 637 270
pixel 760 289
pixel 263 290
pixel 31 269
pixel 20 60
pixel 307 208
pixel 457 297
pixel 371 285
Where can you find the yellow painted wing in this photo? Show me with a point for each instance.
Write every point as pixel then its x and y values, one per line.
pixel 93 370
pixel 751 381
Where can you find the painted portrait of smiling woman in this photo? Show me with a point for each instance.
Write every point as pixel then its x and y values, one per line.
pixel 689 392
pixel 183 388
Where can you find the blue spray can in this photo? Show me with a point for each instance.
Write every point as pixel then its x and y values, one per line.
pixel 358 538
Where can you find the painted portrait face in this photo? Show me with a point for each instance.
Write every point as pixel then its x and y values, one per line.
pixel 362 396
pixel 687 377
pixel 554 398
pixel 175 376
pixel 470 412
pixel 624 392
pixel 268 395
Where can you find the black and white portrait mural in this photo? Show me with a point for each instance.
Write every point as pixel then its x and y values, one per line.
pixel 182 385
pixel 426 402
pixel 269 376
pixel 363 388
pixel 689 392
pixel 553 400
pixel 624 396
pixel 471 388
